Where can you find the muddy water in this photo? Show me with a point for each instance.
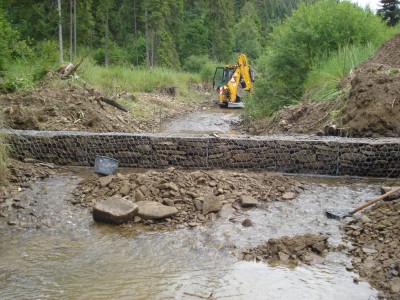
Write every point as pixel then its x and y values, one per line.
pixel 71 257
pixel 210 121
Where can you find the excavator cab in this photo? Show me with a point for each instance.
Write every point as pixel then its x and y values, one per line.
pixel 222 76
pixel 230 81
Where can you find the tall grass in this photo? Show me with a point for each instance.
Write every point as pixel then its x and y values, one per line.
pixel 116 78
pixel 322 82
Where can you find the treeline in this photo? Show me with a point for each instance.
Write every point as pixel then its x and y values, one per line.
pixel 151 33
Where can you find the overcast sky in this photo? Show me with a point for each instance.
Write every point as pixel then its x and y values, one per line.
pixel 373 4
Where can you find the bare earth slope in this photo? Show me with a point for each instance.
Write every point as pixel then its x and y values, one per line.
pixel 371 109
pixel 59 106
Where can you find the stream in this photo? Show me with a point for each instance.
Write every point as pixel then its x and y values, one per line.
pixel 69 256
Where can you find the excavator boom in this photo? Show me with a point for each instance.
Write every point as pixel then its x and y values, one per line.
pixel 232 80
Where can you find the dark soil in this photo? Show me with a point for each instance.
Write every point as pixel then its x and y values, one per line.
pixel 371 108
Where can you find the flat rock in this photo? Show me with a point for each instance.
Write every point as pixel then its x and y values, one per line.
pixel 114 210
pixel 247 201
pixel 226 211
pixel 288 196
pixel 211 203
pixel 155 210
pixel 105 181
pixel 125 189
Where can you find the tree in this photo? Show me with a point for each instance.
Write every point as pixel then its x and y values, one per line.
pixel 390 11
pixel 220 18
pixel 60 38
pixel 310 33
pixel 247 32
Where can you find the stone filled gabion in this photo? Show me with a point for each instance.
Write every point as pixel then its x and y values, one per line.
pixel 290 154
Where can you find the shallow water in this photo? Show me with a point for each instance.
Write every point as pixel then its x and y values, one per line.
pixel 71 257
pixel 210 121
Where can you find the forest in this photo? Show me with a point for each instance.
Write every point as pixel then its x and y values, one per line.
pixel 286 41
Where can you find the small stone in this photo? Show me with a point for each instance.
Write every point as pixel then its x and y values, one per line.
pixel 288 196
pixel 125 189
pixel 365 219
pixel 283 256
pixel 226 211
pixel 105 181
pixel 139 196
pixel 395 284
pixel 247 201
pixel 369 250
pixel 137 219
pixel 211 204
pixel 247 223
pixel 349 267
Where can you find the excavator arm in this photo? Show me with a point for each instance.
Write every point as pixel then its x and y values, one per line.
pixel 235 78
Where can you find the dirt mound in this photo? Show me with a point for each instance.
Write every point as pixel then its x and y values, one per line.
pixel 197 195
pixel 375 247
pixel 307 248
pixel 370 110
pixel 305 118
pixel 373 105
pixel 58 105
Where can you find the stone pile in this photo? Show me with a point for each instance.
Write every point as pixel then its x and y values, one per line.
pixel 180 198
pixel 375 244
pixel 308 248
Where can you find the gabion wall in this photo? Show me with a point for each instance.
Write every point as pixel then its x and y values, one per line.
pixel 290 154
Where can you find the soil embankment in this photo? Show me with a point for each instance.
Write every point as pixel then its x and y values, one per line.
pixel 57 105
pixel 371 108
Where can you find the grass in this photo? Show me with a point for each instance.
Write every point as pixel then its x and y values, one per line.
pixel 322 82
pixel 114 79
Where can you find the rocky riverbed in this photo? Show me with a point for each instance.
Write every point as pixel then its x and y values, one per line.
pixel 178 198
pixel 374 246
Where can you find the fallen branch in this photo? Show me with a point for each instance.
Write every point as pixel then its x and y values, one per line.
pixel 113 103
pixel 99 97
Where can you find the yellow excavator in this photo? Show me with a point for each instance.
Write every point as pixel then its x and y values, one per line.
pixel 230 81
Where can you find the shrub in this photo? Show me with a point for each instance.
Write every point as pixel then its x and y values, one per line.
pixel 309 34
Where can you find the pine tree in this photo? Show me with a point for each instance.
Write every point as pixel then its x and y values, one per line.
pixel 390 11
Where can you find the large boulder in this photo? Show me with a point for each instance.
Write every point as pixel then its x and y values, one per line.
pixel 155 210
pixel 114 210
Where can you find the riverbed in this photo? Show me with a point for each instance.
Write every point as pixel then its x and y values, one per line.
pixel 63 253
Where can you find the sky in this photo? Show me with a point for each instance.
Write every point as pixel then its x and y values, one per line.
pixel 373 4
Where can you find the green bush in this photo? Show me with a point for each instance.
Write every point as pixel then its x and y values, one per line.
pixel 195 63
pixel 309 34
pixel 201 65
pixel 323 79
pixel 116 55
